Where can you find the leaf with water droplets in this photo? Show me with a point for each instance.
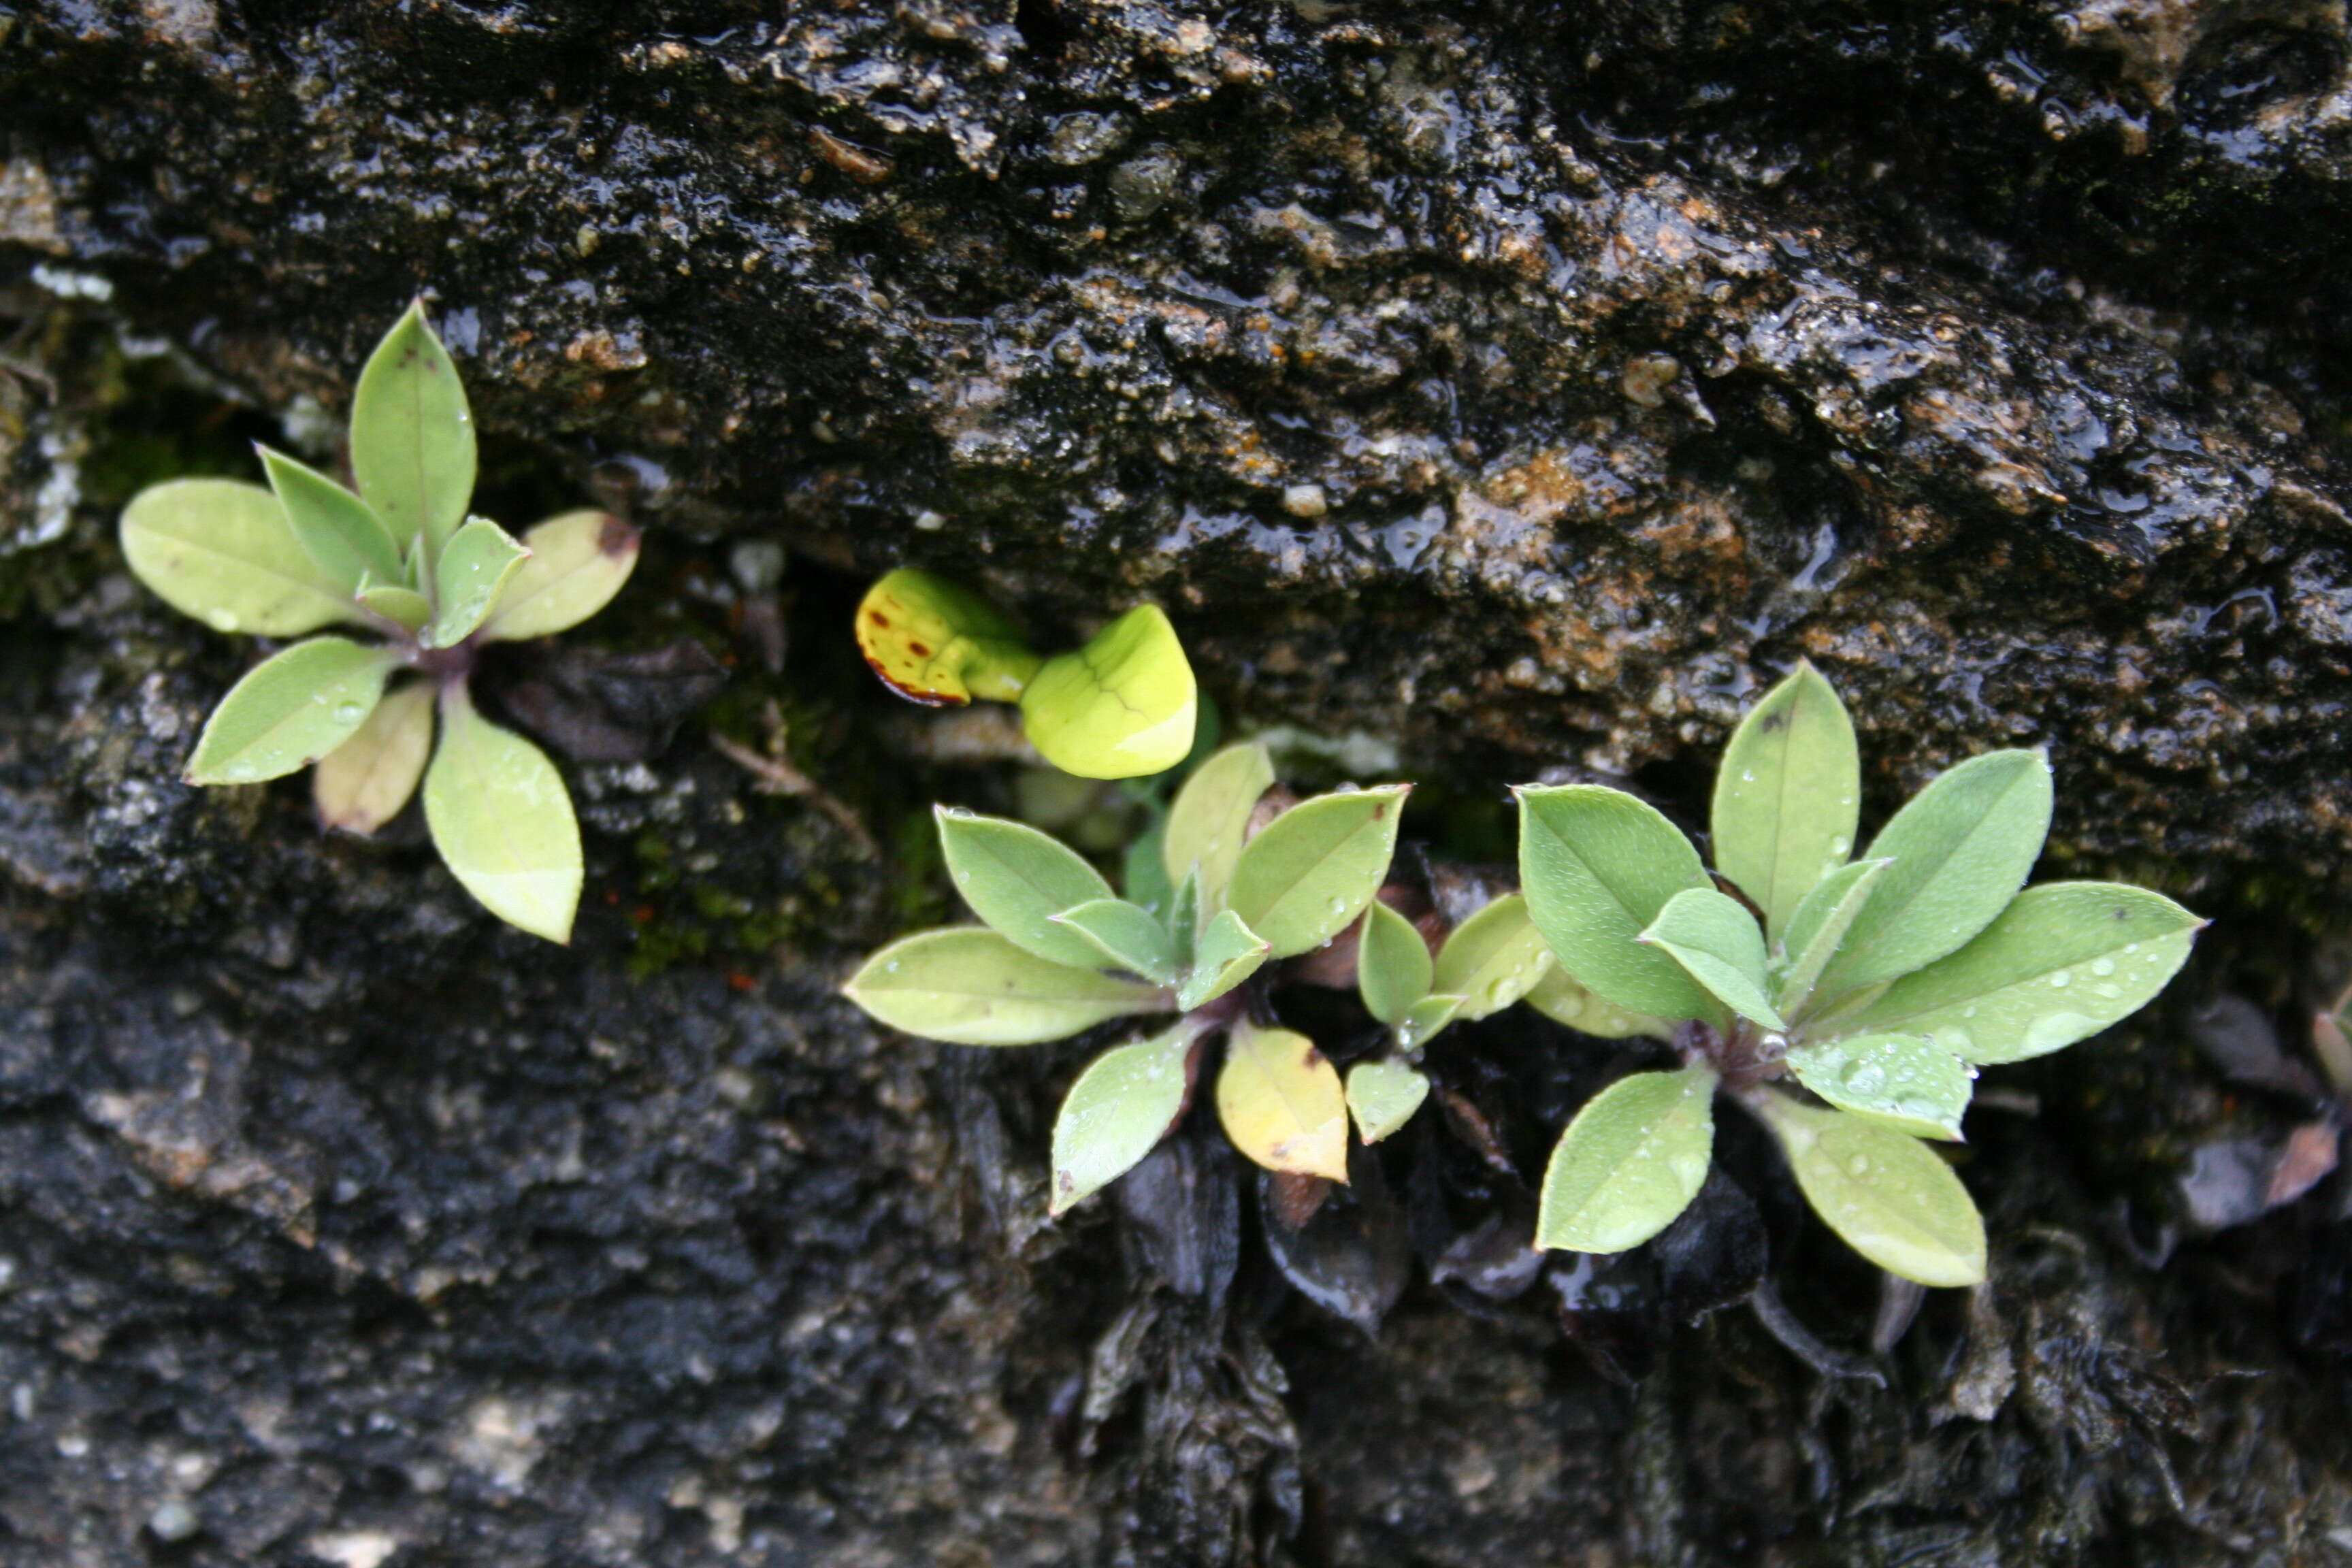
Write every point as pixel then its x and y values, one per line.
pixel 1382 1095
pixel 1901 1081
pixel 1786 797
pixel 1210 818
pixel 1632 1160
pixel 1597 866
pixel 1121 1107
pixel 1392 964
pixel 1719 943
pixel 1563 1001
pixel 1817 928
pixel 1886 1193
pixel 2062 961
pixel 290 711
pixel 349 542
pixel 1492 959
pixel 1426 1019
pixel 1017 879
pixel 578 561
pixel 1282 1104
pixel 503 820
pixel 1227 953
pixel 362 784
pixel 1125 935
pixel 222 552
pixel 1312 870
pixel 969 986
pixel 937 643
pixel 473 569
pixel 1120 708
pixel 412 434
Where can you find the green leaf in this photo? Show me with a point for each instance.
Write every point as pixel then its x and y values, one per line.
pixel 1183 921
pixel 578 561
pixel 221 550
pixel 1392 964
pixel 1210 818
pixel 1492 959
pixel 1787 795
pixel 1125 1101
pixel 412 435
pixel 1312 870
pixel 1819 925
pixel 1887 1195
pixel 290 711
pixel 1017 879
pixel 1632 1160
pixel 347 539
pixel 1425 1019
pixel 1714 937
pixel 1382 1095
pixel 1142 879
pixel 1563 1001
pixel 1282 1104
pixel 395 602
pixel 362 784
pixel 474 568
pixel 1961 848
pixel 969 986
pixel 1120 708
pixel 1227 953
pixel 1898 1080
pixel 1126 935
pixel 1597 866
pixel 503 820
pixel 2062 961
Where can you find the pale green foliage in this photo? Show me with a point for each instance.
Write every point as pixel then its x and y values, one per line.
pixel 1719 945
pixel 1124 1103
pixel 1310 873
pixel 1788 795
pixel 1597 866
pixel 397 557
pixel 1492 960
pixel 1632 1160
pixel 973 986
pixel 1887 1195
pixel 1210 818
pixel 1382 1095
pixel 1393 964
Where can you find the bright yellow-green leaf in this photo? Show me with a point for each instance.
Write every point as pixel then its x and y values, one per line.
pixel 503 820
pixel 222 551
pixel 1210 818
pixel 1382 1095
pixel 1597 866
pixel 1393 964
pixel 1227 953
pixel 290 711
pixel 362 784
pixel 1563 1001
pixel 1121 1107
pixel 1898 1081
pixel 1631 1160
pixel 475 566
pixel 969 986
pixel 1819 926
pixel 1312 870
pixel 935 643
pixel 1492 959
pixel 347 539
pixel 1718 945
pixel 1121 707
pixel 412 435
pixel 1787 795
pixel 1126 936
pixel 1017 879
pixel 1281 1104
pixel 578 561
pixel 1887 1195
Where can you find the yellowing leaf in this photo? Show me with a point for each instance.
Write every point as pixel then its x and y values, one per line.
pixel 1382 1095
pixel 473 569
pixel 1210 818
pixel 578 561
pixel 969 986
pixel 1121 707
pixel 362 784
pixel 222 552
pixel 1886 1193
pixel 1631 1160
pixel 1492 959
pixel 1281 1104
pixel 290 711
pixel 1121 1107
pixel 937 644
pixel 503 820
pixel 412 435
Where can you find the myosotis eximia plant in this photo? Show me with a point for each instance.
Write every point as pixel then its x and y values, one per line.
pixel 402 559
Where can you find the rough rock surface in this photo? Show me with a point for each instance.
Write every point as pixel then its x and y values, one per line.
pixel 1520 383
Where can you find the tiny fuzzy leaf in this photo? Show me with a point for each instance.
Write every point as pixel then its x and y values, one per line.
pixel 1563 1001
pixel 474 568
pixel 1787 795
pixel 362 784
pixel 1120 708
pixel 1425 1019
pixel 290 711
pixel 1714 938
pixel 971 986
pixel 412 435
pixel 1632 1160
pixel 1393 964
pixel 578 561
pixel 503 820
pixel 1210 818
pixel 1492 959
pixel 1961 847
pixel 937 643
pixel 2062 961
pixel 1143 879
pixel 1227 953
pixel 1884 1193
pixel 347 539
pixel 1126 935
pixel 396 602
pixel 1898 1081
pixel 1818 927
pixel 222 552
pixel 1312 870
pixel 1017 879
pixel 1121 1107
pixel 1382 1095
pixel 1597 866
pixel 1282 1104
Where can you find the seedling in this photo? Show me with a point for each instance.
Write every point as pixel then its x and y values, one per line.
pixel 403 560
pixel 1120 707
pixel 1879 985
pixel 1060 953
